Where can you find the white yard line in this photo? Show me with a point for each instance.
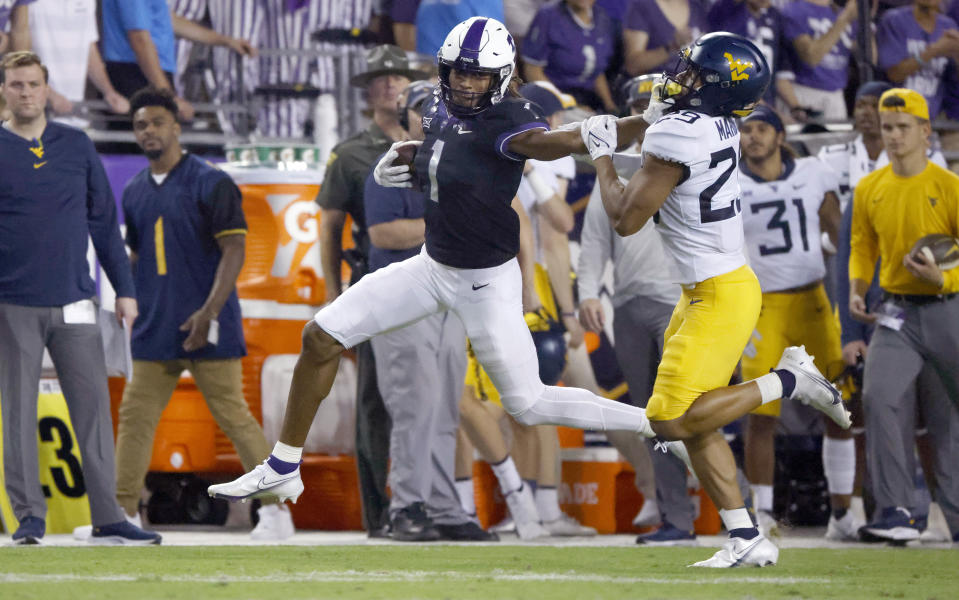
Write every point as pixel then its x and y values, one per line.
pixel 396 577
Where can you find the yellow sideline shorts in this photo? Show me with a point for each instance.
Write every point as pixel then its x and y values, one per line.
pixel 793 319
pixel 476 377
pixel 705 338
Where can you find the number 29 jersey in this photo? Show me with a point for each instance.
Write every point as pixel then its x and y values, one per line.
pixel 701 220
pixel 781 221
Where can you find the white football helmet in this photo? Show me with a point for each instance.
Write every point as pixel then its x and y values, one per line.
pixel 481 45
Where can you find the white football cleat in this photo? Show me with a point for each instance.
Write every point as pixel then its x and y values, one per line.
pixel 522 507
pixel 739 552
pixel 275 525
pixel 811 387
pixel 261 482
pixel 567 526
pixel 845 529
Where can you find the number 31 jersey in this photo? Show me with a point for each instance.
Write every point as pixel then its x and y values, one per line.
pixel 701 221
pixel 781 221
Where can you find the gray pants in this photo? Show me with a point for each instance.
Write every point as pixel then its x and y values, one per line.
pixel 639 326
pixel 929 336
pixel 77 353
pixel 420 372
pixel 372 441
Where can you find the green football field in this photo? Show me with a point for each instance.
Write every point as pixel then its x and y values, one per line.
pixel 463 571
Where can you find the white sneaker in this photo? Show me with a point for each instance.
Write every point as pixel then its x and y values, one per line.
pixel 567 526
pixel 738 552
pixel 937 530
pixel 845 529
pixel 83 532
pixel 648 515
pixel 260 482
pixel 768 525
pixel 812 388
pixel 276 524
pixel 522 507
pixel 505 526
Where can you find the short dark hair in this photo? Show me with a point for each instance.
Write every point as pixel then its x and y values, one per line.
pixel 22 58
pixel 152 96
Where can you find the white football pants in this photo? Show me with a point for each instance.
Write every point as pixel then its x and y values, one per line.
pixel 489 303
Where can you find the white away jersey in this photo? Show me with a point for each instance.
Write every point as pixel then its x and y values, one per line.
pixel 781 221
pixel 851 162
pixel 701 220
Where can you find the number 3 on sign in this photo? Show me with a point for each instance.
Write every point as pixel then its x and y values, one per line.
pixel 61 472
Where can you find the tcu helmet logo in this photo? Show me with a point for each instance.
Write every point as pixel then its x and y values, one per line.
pixel 737 67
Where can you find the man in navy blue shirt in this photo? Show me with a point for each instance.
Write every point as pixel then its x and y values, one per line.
pixel 187 234
pixel 54 194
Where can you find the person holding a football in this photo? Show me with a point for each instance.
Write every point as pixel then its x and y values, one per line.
pixel 906 214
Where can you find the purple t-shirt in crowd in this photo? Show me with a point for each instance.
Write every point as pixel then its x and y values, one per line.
pixel 765 30
pixel 805 18
pixel 6 7
pixel 646 16
pixel 571 54
pixel 404 11
pixel 616 9
pixel 900 37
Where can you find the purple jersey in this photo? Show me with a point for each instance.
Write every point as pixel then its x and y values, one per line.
pixel 765 30
pixel 6 7
pixel 805 18
pixel 571 53
pixel 900 37
pixel 646 16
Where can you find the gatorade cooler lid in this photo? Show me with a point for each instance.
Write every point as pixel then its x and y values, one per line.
pixel 274 173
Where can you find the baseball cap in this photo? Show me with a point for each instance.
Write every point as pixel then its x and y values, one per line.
pixel 872 88
pixel 767 115
pixel 547 96
pixel 904 100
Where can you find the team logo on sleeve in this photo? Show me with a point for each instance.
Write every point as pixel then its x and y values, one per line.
pixel 738 67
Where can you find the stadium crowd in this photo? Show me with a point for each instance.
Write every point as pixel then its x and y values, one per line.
pixel 422 412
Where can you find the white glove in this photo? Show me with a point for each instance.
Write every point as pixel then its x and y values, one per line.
pixel 656 105
pixel 389 175
pixel 599 135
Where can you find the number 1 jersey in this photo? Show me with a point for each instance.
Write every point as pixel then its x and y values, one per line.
pixel 701 220
pixel 781 220
pixel 469 178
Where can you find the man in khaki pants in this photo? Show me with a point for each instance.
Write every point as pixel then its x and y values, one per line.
pixel 187 233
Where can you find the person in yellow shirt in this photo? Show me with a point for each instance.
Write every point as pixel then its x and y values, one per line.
pixel 918 320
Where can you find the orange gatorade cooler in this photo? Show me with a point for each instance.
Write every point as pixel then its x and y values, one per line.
pixel 282 246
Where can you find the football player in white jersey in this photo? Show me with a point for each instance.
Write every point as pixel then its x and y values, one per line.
pixel 689 185
pixel 787 202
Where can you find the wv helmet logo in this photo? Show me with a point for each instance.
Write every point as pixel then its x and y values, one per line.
pixel 738 67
